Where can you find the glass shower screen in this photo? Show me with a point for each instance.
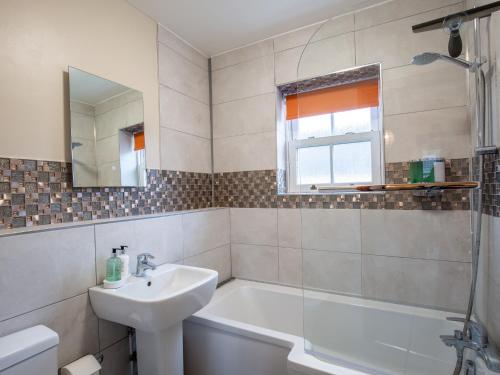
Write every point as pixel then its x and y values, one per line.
pixel 381 272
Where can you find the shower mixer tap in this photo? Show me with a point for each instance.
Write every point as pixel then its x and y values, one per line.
pixel 476 339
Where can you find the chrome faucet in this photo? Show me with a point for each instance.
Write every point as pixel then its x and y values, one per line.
pixel 476 339
pixel 144 264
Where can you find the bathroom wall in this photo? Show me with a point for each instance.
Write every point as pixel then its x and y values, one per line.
pixel 40 39
pixel 185 135
pixel 45 274
pixel 348 243
pixel 412 257
pixel 38 190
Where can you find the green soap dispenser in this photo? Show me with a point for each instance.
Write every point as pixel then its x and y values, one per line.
pixel 114 267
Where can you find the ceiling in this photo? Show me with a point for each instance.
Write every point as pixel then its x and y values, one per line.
pixel 90 89
pixel 215 26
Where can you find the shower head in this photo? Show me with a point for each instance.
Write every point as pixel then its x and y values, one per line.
pixel 429 57
pixel 452 25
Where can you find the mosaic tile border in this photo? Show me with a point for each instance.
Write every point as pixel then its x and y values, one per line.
pixel 491 191
pixel 263 189
pixel 40 192
pixel 331 80
pixel 36 192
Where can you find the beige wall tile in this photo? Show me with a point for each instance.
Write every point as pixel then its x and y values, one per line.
pixel 218 259
pixel 422 88
pixel 171 40
pixel 45 267
pixel 205 230
pixel 180 74
pixel 432 283
pixel 255 262
pixel 290 266
pixel 245 116
pixel 443 132
pixel 257 226
pixel 184 152
pixel 493 316
pixel 327 56
pixel 110 333
pixel 296 38
pixel 289 228
pixel 333 27
pixel 245 153
pixel 440 235
pixel 116 359
pixel 72 319
pixel 394 10
pixel 243 54
pixel 318 58
pixel 331 230
pixel 395 44
pixel 180 112
pixel 287 64
pixel 483 279
pixel 161 237
pixel 112 235
pixel 244 80
pixel 494 246
pixel 332 271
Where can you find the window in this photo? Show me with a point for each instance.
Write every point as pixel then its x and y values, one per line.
pixel 334 137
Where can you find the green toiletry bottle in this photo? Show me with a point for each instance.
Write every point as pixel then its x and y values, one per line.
pixel 114 267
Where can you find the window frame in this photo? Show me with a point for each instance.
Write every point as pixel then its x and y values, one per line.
pixel 373 136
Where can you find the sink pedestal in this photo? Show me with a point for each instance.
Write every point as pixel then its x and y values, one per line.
pixel 160 353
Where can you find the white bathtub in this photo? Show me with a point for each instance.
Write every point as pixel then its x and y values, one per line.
pixel 257 329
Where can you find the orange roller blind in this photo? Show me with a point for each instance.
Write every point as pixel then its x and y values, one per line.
pixel 138 141
pixel 333 99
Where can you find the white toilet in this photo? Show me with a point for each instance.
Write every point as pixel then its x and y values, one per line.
pixel 32 351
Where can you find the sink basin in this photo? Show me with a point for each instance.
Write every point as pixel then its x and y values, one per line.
pixel 155 306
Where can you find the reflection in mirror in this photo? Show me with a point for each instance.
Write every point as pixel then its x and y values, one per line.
pixel 107 132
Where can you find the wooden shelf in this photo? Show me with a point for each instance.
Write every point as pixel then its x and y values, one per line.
pixel 421 186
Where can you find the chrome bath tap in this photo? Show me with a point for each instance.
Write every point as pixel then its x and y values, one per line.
pixel 476 339
pixel 144 264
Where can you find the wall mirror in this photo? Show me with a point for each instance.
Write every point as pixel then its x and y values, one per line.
pixel 107 132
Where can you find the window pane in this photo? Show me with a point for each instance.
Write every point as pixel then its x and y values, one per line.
pixel 313 165
pixel 313 126
pixel 352 162
pixel 355 121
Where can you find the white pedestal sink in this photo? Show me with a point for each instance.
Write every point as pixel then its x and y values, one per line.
pixel 155 306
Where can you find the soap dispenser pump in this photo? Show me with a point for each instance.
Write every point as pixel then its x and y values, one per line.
pixel 125 274
pixel 114 267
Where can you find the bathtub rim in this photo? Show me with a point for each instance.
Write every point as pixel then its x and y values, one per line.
pixel 298 359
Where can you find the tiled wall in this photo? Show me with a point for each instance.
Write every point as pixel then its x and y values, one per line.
pixel 185 136
pixel 262 189
pixel 425 108
pixel 65 262
pixel 421 242
pixel 411 257
pixel 38 193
